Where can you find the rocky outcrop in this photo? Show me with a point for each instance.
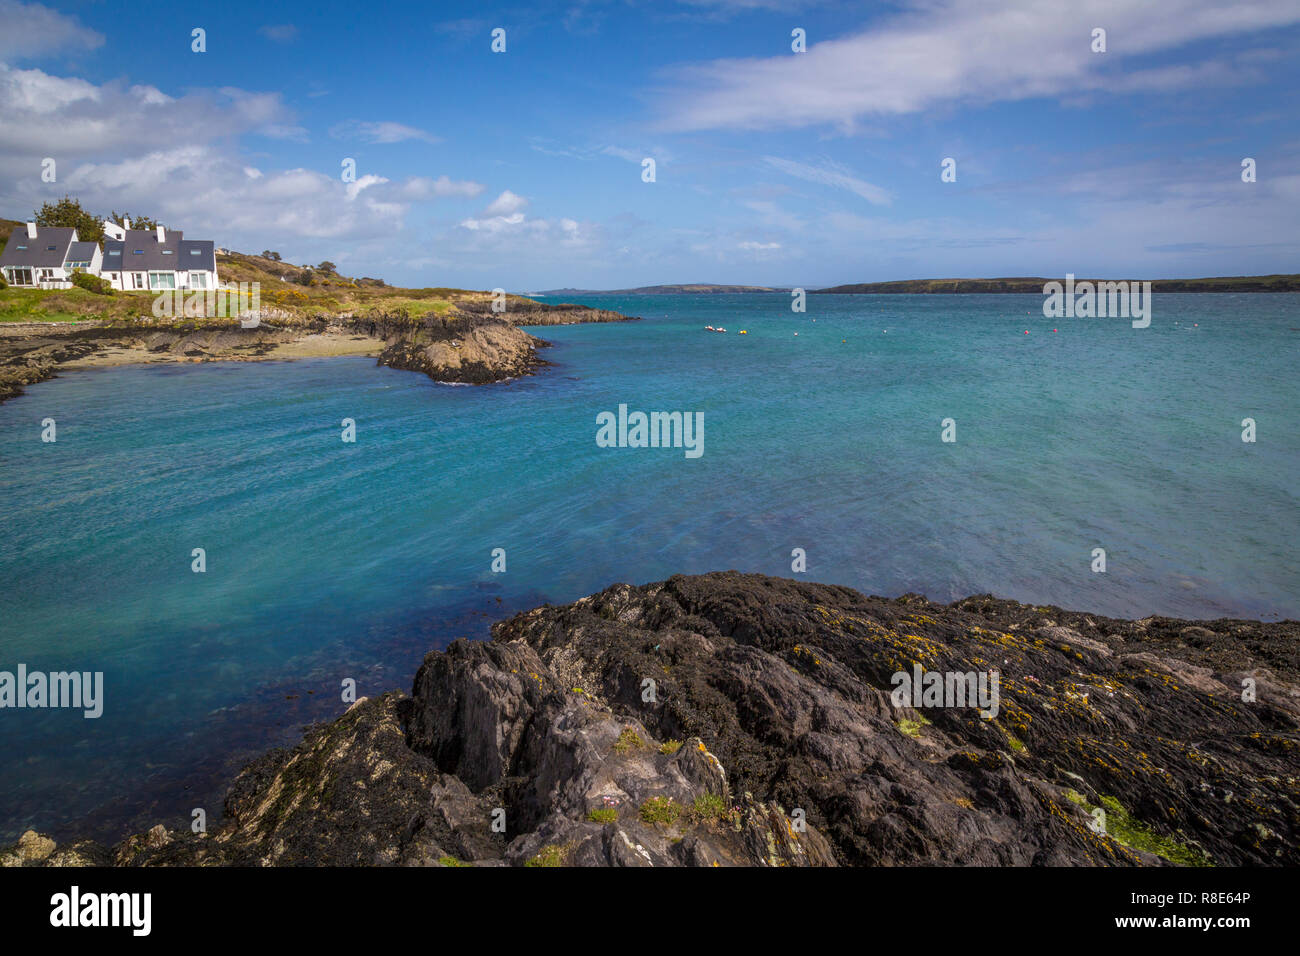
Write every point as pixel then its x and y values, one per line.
pixel 731 719
pixel 474 351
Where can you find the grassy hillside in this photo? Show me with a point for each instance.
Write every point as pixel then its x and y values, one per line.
pixel 7 226
pixel 326 294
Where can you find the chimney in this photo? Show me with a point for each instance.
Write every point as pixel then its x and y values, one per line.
pixel 162 236
pixel 31 230
pixel 126 223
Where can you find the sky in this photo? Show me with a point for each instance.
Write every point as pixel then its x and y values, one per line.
pixel 525 169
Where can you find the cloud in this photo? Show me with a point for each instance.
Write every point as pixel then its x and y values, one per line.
pixel 830 175
pixel 506 204
pixel 380 133
pixel 422 187
pixel 31 30
pixel 280 33
pixel 69 118
pixel 751 246
pixel 967 51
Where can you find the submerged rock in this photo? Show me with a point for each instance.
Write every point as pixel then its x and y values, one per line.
pixel 732 719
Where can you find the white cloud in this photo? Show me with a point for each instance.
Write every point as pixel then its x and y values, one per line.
pixel 422 187
pixel 967 51
pixel 31 30
pixel 380 132
pixel 830 175
pixel 505 205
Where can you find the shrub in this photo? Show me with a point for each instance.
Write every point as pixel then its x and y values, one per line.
pixel 709 807
pixel 95 284
pixel 553 855
pixel 305 277
pixel 628 740
pixel 663 810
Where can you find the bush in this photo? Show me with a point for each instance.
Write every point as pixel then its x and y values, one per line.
pixel 663 810
pixel 305 277
pixel 3 284
pixel 95 284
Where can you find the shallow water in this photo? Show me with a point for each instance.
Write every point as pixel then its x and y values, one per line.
pixel 328 560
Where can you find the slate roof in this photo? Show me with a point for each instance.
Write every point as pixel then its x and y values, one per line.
pixel 21 251
pixel 198 254
pixel 81 252
pixel 141 251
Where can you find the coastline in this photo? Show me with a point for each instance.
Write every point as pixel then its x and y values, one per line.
pixel 772 704
pixel 470 344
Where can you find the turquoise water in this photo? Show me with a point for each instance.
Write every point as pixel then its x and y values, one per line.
pixel 328 560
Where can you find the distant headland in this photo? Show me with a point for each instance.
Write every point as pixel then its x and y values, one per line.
pixel 1020 284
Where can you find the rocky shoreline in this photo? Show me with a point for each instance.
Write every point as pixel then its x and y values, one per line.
pixel 736 719
pixel 470 345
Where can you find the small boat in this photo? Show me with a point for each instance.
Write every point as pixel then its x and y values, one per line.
pixel 709 328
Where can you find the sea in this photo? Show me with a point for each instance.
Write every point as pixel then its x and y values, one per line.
pixel 945 445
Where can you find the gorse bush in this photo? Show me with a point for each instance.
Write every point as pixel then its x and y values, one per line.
pixel 95 284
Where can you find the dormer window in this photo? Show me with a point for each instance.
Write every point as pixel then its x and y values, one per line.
pixel 167 252
pixel 139 252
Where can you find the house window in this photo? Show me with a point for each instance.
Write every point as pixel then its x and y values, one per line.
pixel 162 280
pixel 194 252
pixel 19 276
pixel 115 252
pixel 137 280
pixel 198 280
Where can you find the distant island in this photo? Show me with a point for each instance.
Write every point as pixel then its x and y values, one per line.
pixel 701 288
pixel 1034 285
pixel 1029 285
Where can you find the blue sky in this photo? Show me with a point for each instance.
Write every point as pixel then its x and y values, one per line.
pixel 523 169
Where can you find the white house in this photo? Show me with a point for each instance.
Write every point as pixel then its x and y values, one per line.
pixel 157 260
pixel 132 259
pixel 38 257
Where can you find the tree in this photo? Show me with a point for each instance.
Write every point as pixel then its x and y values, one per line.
pixel 69 212
pixel 140 222
pixel 326 266
pixel 268 254
pixel 305 277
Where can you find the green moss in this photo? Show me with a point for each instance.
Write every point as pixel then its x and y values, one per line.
pixel 912 727
pixel 1136 835
pixel 452 861
pixel 1015 744
pixel 607 815
pixel 663 810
